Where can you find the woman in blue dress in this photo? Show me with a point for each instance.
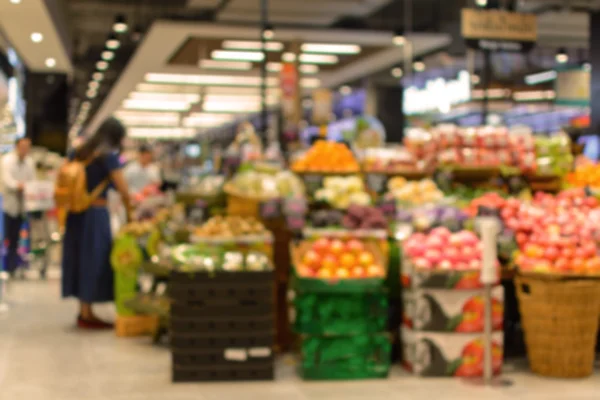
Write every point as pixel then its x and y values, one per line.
pixel 87 273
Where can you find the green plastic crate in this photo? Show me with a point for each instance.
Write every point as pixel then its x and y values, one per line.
pixel 316 285
pixel 341 314
pixel 346 357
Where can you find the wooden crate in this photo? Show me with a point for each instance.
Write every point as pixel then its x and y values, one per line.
pixel 136 325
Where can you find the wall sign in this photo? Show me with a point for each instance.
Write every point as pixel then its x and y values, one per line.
pixel 438 95
pixel 572 87
pixel 498 30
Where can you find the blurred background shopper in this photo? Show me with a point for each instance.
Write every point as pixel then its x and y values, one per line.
pixel 142 172
pixel 87 273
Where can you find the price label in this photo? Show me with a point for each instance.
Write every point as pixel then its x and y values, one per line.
pixel 270 209
pixel 377 183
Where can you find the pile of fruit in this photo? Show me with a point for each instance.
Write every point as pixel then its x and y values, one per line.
pixel 413 192
pixel 341 192
pixel 428 217
pixel 554 155
pixel 260 184
pixel 444 251
pixel 339 259
pixel 327 157
pixel 355 217
pixel 585 175
pixel 230 227
pixel 195 258
pixel 393 160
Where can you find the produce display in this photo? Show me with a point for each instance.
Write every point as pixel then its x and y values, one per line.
pixel 413 192
pixel 327 157
pixel 195 258
pixel 428 217
pixel 230 227
pixel 554 155
pixel 355 217
pixel 587 175
pixel 339 259
pixel 205 186
pixel 259 184
pixel 393 160
pixel 443 250
pixel 341 192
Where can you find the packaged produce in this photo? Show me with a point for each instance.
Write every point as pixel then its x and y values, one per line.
pixel 339 259
pixel 230 227
pixel 395 160
pixel 554 155
pixel 419 141
pixel 341 192
pixel 413 192
pixel 327 157
pixel 424 218
pixel 266 185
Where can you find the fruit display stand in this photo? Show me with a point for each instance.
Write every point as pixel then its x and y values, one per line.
pixel 341 319
pixel 443 307
pixel 560 315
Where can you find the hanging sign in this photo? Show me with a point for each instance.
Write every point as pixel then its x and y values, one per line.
pixel 572 87
pixel 322 106
pixel 290 92
pixel 498 30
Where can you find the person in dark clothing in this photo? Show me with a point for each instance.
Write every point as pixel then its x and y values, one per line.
pixel 87 273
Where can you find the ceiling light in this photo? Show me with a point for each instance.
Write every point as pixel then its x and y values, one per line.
pixel 101 65
pixel 15 1
pixel 331 48
pixel 186 97
pixel 231 107
pixel 237 55
pixel 398 39
pixel 212 80
pixel 134 104
pixel 274 66
pixel 419 66
pixel 481 3
pixel 91 93
pixel 161 133
pixel 37 37
pixel 310 83
pixel 541 77
pixel 561 56
pixel 251 45
pixel 288 57
pixel 587 66
pixel 50 62
pixel 136 36
pixel 231 65
pixel 319 58
pixel 309 68
pixel 120 24
pixel 93 85
pixel 112 43
pixel 168 88
pixel 475 79
pixel 97 76
pixel 207 120
pixel 107 55
pixel 86 105
pixel 268 33
pixel 345 90
pixel 140 118
pixel 397 72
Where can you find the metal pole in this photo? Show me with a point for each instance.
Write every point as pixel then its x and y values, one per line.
pixel 408 48
pixel 263 67
pixel 486 79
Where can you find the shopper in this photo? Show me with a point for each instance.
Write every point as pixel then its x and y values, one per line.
pixel 17 169
pixel 87 273
pixel 142 172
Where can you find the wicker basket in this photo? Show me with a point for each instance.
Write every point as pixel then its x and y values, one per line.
pixel 560 322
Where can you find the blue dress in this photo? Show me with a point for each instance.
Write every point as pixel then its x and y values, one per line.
pixel 86 270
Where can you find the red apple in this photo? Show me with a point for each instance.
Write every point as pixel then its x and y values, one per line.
pixel 321 246
pixel 551 253
pixel 433 256
pixel 329 262
pixel 422 263
pixel 312 259
pixel 445 265
pixel 336 247
pixel 355 246
pixel 357 272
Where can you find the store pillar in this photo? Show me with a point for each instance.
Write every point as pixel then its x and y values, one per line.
pixel 595 78
pixel 389 111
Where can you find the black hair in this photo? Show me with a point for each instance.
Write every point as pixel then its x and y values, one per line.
pixel 108 137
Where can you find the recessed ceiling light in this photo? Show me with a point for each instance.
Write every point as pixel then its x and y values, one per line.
pixel 213 80
pixel 288 57
pixel 319 58
pixel 15 1
pixel 419 66
pixel 398 39
pixel 309 68
pixel 251 45
pixel 345 90
pixel 328 48
pixel 112 43
pixel 101 65
pixel 107 55
pixel 98 76
pixel 188 97
pixel 237 55
pixel 50 62
pixel 221 64
pixel 274 66
pixel 562 56
pixel 93 85
pixel 91 93
pixel 120 24
pixel 37 37
pixel 86 105
pixel 158 105
pixel 397 72
pixel 268 33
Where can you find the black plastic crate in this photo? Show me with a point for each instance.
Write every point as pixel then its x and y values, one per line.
pixel 217 340
pixel 232 357
pixel 222 325
pixel 220 307
pixel 218 277
pixel 228 292
pixel 223 373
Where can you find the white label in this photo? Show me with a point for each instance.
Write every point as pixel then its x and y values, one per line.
pixel 235 354
pixel 259 352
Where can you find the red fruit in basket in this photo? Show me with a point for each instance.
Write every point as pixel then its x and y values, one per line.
pixel 312 259
pixel 354 246
pixel 305 271
pixel 321 246
pixel 357 272
pixel 365 258
pixel 568 252
pixel 324 273
pixel 422 263
pixel 336 247
pixel 551 253
pixel 593 264
pixel 329 262
pixel 375 271
pixel 562 264
pixel 347 260
pixel 342 273
pixel 452 254
pixel 578 264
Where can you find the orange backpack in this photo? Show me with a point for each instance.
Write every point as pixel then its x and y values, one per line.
pixel 70 190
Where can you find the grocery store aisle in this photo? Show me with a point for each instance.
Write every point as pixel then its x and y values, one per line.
pixel 42 357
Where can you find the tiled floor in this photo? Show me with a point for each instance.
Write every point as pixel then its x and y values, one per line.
pixel 42 357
